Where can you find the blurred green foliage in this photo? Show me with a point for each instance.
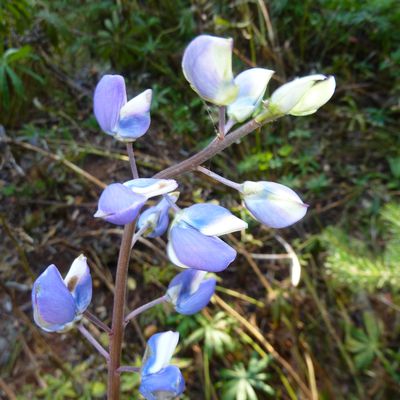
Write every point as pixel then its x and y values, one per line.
pixel 352 264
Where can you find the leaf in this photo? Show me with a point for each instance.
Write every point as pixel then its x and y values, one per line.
pixel 372 326
pixel 16 81
pixel 364 359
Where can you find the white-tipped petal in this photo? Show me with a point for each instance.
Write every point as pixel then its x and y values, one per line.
pixel 79 283
pixel 212 220
pixel 150 187
pixel 161 347
pixel 138 105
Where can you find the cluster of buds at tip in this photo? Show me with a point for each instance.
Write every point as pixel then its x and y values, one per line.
pixel 207 65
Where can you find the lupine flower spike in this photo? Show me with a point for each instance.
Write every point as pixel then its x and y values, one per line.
pixel 160 380
pixel 193 237
pixel 207 65
pixel 252 84
pixel 120 203
pixel 302 96
pixel 126 121
pixel 189 292
pixel 156 218
pixel 57 303
pixel 273 204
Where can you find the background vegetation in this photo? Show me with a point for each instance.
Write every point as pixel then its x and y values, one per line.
pixel 340 329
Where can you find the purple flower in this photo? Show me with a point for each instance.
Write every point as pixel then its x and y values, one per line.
pixel 193 237
pixel 126 121
pixel 156 218
pixel 120 203
pixel 189 292
pixel 57 303
pixel 273 204
pixel 207 65
pixel 158 377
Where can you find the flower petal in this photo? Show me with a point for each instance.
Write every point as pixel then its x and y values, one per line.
pixel 196 302
pixel 164 385
pixel 286 97
pixel 273 204
pixel 185 283
pixel 212 220
pixel 156 218
pixel 198 251
pixel 135 117
pixel 151 187
pixel 109 97
pixel 189 292
pixel 119 205
pixel 252 85
pixel 79 283
pixel 207 65
pixel 53 305
pixel 172 256
pixel 315 97
pixel 159 351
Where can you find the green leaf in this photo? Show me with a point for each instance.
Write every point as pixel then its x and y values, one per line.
pixel 16 81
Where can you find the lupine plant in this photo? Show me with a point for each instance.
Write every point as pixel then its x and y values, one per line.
pixel 194 232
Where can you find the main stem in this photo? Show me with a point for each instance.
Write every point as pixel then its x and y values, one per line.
pixel 117 325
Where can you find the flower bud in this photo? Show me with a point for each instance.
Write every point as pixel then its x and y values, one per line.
pixel 252 84
pixel 302 96
pixel 207 65
pixel 273 204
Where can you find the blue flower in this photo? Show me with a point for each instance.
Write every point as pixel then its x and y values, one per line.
pixel 126 121
pixel 193 237
pixel 189 292
pixel 159 379
pixel 156 218
pixel 273 204
pixel 120 203
pixel 57 303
